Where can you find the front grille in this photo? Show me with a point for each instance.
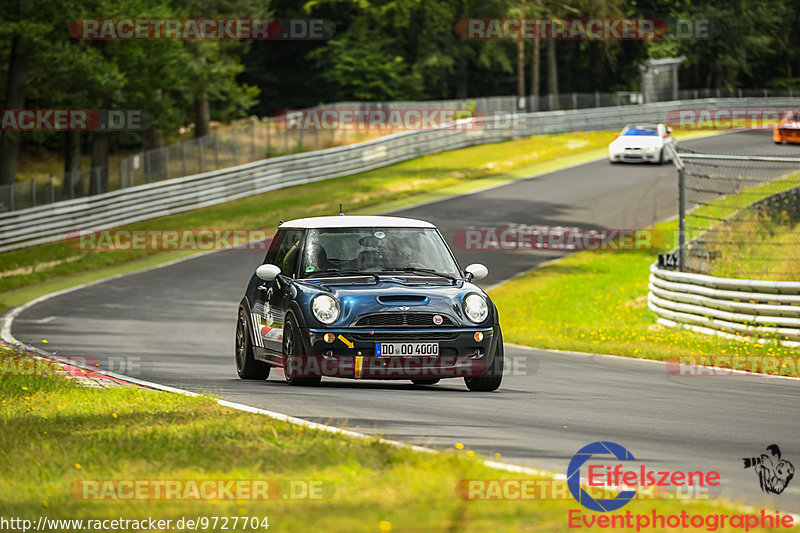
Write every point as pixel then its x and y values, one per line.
pixel 401 320
pixel 383 336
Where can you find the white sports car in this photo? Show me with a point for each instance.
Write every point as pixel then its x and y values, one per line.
pixel 641 143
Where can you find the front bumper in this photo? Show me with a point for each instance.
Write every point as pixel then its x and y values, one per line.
pixel 352 353
pixel 634 155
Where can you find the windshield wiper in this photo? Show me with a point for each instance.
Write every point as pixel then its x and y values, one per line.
pixel 337 272
pixel 413 270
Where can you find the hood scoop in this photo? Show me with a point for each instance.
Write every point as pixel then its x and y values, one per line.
pixel 402 299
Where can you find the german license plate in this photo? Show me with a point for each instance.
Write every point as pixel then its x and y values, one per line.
pixel 406 348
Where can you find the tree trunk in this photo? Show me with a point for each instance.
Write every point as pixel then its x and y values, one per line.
pixel 72 165
pixel 99 177
pixel 520 75
pixel 535 74
pixel 15 99
pixel 202 115
pixel 536 64
pixel 552 74
pixel 462 87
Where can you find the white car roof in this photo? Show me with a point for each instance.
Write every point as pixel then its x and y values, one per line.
pixel 356 222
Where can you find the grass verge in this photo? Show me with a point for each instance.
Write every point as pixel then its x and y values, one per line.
pixel 612 317
pixel 56 435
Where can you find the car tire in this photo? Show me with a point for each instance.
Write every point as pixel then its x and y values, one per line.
pixel 428 381
pixel 492 377
pixel 246 365
pixel 661 157
pixel 292 346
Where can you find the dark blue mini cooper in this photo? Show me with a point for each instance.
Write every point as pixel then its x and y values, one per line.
pixel 367 297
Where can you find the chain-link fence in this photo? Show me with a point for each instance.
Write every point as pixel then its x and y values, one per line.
pixel 270 137
pixel 742 215
pixel 254 141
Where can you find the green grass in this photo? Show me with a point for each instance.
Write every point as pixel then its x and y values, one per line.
pixel 54 434
pixel 756 245
pixel 611 316
pixel 387 188
pixel 752 244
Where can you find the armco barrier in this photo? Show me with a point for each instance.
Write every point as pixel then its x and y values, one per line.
pixel 768 309
pixel 52 222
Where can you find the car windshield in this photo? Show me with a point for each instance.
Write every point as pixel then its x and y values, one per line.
pixel 376 250
pixel 641 131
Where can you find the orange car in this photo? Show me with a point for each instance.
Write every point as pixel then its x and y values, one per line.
pixel 788 129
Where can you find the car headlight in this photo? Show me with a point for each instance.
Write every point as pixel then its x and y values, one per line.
pixel 476 308
pixel 325 308
pixel 650 148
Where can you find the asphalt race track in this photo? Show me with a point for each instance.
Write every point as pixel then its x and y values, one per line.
pixel 174 325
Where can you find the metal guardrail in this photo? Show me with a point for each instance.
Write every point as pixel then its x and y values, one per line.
pixel 768 309
pixel 51 223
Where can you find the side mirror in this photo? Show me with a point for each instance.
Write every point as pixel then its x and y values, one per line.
pixel 268 272
pixel 476 271
pixel 669 129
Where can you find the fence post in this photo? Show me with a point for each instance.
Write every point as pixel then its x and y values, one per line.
pixel 183 158
pixel 33 193
pixel 52 190
pixel 202 155
pixel 574 100
pixel 681 217
pixel 269 127
pixel 11 197
pixel 233 138
pixel 253 141
pixel 596 99
pixel 216 149
pixel 147 166
pixel 286 140
pixel 121 173
pixel 166 161
pixel 96 172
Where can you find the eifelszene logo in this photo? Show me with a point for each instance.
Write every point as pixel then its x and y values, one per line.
pixel 614 478
pixel 774 473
